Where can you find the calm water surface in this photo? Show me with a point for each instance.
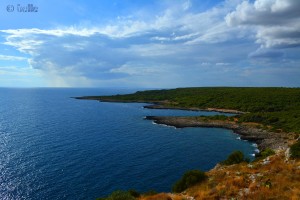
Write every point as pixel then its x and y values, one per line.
pixel 56 147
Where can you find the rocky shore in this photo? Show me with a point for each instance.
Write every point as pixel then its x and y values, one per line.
pixel 253 133
pixel 263 138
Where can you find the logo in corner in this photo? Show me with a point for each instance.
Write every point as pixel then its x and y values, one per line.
pixel 10 8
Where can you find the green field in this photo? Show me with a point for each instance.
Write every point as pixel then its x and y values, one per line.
pixel 275 107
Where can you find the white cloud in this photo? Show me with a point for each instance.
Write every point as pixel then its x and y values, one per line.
pixel 176 44
pixel 13 58
pixel 121 49
pixel 53 32
pixel 187 5
pixel 222 64
pixel 277 22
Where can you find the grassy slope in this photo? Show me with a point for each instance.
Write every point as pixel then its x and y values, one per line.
pixel 247 181
pixel 277 107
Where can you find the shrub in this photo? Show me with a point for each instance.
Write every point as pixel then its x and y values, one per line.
pixel 295 150
pixel 134 193
pixel 263 154
pixel 234 158
pixel 218 117
pixel 119 195
pixel 267 152
pixel 189 179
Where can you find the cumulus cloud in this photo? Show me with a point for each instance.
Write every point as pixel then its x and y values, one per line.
pixel 177 43
pixel 277 22
pixel 70 56
pixel 126 48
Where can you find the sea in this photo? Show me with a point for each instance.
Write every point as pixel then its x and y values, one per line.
pixel 53 146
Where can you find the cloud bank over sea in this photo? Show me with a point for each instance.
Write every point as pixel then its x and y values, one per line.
pixel 232 42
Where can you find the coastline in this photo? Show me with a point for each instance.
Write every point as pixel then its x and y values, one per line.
pixel 251 132
pixel 263 138
pixel 238 180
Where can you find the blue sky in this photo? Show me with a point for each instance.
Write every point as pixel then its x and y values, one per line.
pixel 155 43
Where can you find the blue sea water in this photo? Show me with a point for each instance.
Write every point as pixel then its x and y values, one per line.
pixel 56 147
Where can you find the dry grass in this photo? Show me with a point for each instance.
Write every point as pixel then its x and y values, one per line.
pixel 164 196
pixel 275 179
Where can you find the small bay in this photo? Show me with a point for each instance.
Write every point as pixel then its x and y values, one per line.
pixel 56 147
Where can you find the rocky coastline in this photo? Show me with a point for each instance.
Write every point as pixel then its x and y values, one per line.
pixel 263 138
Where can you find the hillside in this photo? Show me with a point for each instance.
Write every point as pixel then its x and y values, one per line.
pixel 275 177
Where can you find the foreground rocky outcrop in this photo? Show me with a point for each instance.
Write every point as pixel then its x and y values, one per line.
pixel 248 131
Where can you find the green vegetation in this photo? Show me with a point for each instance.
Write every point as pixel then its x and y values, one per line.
pixel 119 195
pixel 267 152
pixel 189 179
pixel 295 150
pixel 275 107
pixel 215 117
pixel 134 193
pixel 264 154
pixel 234 158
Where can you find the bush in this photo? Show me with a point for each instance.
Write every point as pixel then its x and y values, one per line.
pixel 119 195
pixel 263 154
pixel 218 117
pixel 234 158
pixel 295 150
pixel 189 179
pixel 134 193
pixel 267 152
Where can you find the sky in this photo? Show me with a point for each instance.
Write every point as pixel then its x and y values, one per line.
pixel 149 44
